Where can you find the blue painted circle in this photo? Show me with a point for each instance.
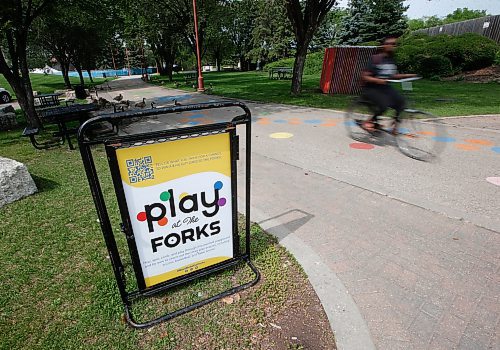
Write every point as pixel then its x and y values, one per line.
pixel 404 130
pixel 350 123
pixel 196 116
pixel 495 149
pixel 218 185
pixel 313 121
pixel 443 139
pixel 193 123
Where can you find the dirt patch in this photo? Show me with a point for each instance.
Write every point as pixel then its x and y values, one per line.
pixel 485 75
pixel 301 325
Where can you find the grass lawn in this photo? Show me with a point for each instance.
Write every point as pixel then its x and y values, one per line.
pixel 58 289
pixel 460 98
pixel 48 83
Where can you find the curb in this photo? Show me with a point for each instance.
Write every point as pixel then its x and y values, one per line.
pixel 346 321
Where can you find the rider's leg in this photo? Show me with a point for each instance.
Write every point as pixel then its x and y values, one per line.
pixel 379 103
pixel 398 103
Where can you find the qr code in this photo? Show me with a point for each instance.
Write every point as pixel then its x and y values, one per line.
pixel 140 169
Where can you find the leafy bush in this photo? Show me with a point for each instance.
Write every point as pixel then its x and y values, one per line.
pixel 433 66
pixel 497 58
pixel 313 65
pixel 464 52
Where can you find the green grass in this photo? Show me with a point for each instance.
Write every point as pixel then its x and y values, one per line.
pixel 58 289
pixel 467 98
pixel 48 83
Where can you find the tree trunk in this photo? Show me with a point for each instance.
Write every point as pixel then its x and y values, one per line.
pixel 90 75
pixel 80 74
pixel 65 73
pixel 298 69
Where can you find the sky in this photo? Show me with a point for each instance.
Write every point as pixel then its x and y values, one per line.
pixel 440 8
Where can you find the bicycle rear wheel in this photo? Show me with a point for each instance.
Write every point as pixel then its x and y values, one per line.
pixel 417 135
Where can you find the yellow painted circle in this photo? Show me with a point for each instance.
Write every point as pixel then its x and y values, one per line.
pixel 281 135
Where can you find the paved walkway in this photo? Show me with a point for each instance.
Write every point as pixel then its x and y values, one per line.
pixel 403 254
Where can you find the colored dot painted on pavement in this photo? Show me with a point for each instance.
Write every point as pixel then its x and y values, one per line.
pixel 196 116
pixel 218 185
pixel 263 121
pixel 165 196
pixel 495 149
pixel 403 130
pixel 183 194
pixel 443 139
pixel 281 135
pixel 163 221
pixel 141 216
pixel 480 142
pixel 350 123
pixel 427 133
pixel 360 145
pixel 294 121
pixel 193 123
pixel 329 123
pixel 494 180
pixel 313 121
pixel 466 147
pixel 222 202
pixel 280 121
pixel 264 113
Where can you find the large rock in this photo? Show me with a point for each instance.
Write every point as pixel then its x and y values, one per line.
pixel 8 121
pixel 15 181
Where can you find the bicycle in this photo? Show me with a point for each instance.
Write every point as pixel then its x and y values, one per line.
pixel 415 137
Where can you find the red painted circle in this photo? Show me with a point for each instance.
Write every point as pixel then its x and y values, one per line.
pixel 360 145
pixel 141 216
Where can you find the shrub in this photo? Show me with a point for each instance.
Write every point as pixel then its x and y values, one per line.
pixel 477 51
pixel 497 58
pixel 433 66
pixel 464 52
pixel 313 65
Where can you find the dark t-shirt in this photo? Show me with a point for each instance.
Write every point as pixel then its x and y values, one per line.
pixel 382 67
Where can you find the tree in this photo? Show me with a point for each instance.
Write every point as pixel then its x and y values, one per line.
pixel 272 35
pixel 460 14
pixel 241 27
pixel 463 14
pixel 305 17
pixel 16 19
pixel 373 20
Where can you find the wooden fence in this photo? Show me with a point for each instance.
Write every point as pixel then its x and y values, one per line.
pixel 488 26
pixel 342 68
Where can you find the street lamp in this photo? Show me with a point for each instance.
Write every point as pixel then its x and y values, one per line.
pixel 201 86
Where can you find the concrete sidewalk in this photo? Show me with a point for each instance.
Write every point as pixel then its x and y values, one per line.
pixel 403 254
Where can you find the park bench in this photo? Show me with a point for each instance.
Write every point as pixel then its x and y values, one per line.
pixel 280 73
pixel 190 78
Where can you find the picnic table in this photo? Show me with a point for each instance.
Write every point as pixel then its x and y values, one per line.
pixel 46 100
pixel 61 116
pixel 280 73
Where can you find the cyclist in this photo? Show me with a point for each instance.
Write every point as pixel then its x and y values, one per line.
pixel 376 90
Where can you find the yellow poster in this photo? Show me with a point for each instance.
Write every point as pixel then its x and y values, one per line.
pixel 178 195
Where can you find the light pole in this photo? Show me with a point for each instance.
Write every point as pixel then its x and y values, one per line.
pixel 201 85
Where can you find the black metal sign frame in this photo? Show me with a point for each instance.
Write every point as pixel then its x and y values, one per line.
pixel 113 142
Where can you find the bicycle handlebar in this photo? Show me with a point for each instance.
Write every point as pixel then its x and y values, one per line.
pixel 403 80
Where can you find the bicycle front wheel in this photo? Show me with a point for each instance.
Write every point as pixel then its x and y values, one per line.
pixel 418 135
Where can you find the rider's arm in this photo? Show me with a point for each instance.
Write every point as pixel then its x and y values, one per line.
pixel 368 77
